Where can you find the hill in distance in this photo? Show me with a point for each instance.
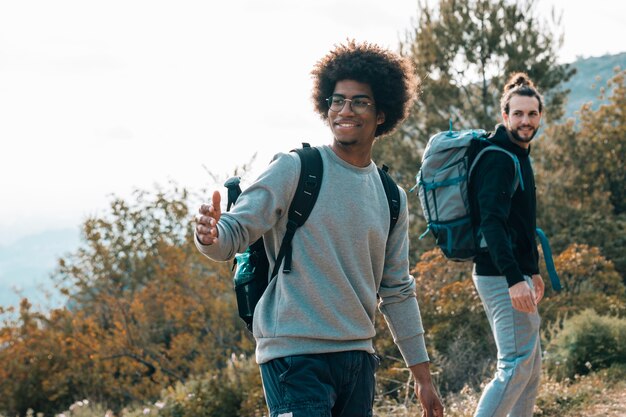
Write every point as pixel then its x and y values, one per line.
pixel 26 265
pixel 591 75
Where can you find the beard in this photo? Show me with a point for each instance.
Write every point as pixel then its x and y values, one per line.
pixel 518 138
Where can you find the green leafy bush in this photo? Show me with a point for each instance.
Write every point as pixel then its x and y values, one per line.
pixel 586 342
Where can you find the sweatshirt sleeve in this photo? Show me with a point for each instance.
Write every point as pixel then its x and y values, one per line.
pixel 398 302
pixel 494 181
pixel 258 209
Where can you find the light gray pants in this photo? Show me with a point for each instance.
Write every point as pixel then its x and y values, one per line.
pixel 513 390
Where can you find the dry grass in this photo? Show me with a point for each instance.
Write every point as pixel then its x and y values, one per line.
pixel 601 394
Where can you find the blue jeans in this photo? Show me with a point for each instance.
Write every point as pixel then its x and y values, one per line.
pixel 340 384
pixel 513 390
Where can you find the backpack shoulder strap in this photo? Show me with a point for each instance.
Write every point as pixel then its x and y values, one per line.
pixel 547 256
pixel 393 195
pixel 518 170
pixel 309 184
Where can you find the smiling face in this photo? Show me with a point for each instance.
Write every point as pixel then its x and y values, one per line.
pixel 523 119
pixel 352 131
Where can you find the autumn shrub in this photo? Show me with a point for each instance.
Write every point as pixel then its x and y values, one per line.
pixel 40 367
pixel 457 330
pixel 589 281
pixel 210 396
pixel 235 390
pixel 586 342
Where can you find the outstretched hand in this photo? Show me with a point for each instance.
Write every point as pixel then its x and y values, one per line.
pixel 207 218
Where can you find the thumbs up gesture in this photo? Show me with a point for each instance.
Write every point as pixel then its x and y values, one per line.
pixel 207 218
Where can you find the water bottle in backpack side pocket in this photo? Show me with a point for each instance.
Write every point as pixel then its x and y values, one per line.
pixel 250 280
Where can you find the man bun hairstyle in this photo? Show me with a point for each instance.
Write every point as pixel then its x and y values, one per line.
pixel 519 84
pixel 391 77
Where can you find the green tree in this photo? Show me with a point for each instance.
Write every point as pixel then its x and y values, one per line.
pixel 463 51
pixel 466 50
pixel 581 177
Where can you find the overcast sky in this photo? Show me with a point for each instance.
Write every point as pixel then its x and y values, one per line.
pixel 103 97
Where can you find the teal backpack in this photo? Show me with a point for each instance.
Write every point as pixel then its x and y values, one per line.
pixel 443 190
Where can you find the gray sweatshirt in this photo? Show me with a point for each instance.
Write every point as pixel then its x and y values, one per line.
pixel 342 257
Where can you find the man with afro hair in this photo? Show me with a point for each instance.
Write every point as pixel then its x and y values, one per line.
pixel 314 327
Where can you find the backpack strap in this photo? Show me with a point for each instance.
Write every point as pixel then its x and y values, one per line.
pixel 547 256
pixel 309 184
pixel 518 170
pixel 517 181
pixel 393 195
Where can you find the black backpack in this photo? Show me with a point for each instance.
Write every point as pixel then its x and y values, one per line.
pixel 252 267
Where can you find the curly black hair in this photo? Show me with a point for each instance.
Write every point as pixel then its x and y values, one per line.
pixel 391 77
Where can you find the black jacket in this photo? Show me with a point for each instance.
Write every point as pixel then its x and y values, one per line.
pixel 507 223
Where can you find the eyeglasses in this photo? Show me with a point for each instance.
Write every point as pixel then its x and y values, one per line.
pixel 358 105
